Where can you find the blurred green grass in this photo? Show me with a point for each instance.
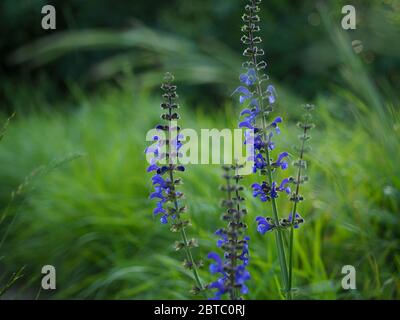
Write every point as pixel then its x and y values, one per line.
pixel 91 217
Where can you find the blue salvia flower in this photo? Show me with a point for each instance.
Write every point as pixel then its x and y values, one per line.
pixel 265 192
pixel 232 267
pixel 267 224
pixel 164 165
pixel 264 224
pixel 280 162
pixel 297 220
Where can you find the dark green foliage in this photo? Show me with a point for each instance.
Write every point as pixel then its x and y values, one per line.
pixel 102 43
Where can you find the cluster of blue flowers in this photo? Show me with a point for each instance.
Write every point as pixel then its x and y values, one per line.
pixel 261 140
pixel 232 267
pixel 267 224
pixel 266 192
pixel 165 152
pixel 259 102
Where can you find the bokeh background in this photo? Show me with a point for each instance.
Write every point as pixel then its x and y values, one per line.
pixel 74 191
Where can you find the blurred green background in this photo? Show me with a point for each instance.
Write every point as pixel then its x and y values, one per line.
pixel 74 191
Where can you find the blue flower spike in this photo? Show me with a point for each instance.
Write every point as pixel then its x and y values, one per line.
pixel 231 266
pixel 164 165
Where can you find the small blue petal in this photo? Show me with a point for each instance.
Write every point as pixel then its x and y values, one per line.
pixel 245 111
pixel 152 168
pixel 246 124
pixel 164 219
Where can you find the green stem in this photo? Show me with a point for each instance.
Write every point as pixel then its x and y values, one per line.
pixel 185 241
pixel 233 293
pixel 278 234
pixel 191 260
pixel 289 295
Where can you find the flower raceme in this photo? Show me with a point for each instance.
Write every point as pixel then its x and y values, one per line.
pixel 259 103
pixel 164 161
pixel 164 166
pixel 232 268
pixel 259 99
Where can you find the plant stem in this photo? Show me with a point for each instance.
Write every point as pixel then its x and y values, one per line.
pixel 278 234
pixel 191 260
pixel 289 295
pixel 185 241
pixel 233 293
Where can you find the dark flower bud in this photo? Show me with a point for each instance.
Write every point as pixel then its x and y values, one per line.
pixel 200 264
pixel 305 149
pixel 187 264
pixel 195 290
pixel 226 203
pixel 179 245
pixel 164 105
pixel 249 52
pixel 168 77
pixel 259 52
pixel 252 8
pixel 183 209
pixel 304 137
pixel 245 39
pixel 162 127
pixel 193 243
pixel 185 223
pixel 296 198
pixel 232 210
pixel 176 227
pixel 305 126
pixel 171 211
pixel 308 107
pixel 162 170
pixel 300 163
pixel 261 66
pixel 303 179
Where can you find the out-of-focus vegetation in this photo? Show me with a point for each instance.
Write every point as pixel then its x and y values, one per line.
pixel 91 218
pixel 199 40
pixel 9 281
